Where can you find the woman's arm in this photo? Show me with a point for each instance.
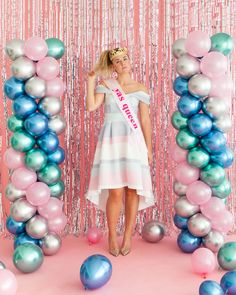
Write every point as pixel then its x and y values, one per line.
pixel 93 101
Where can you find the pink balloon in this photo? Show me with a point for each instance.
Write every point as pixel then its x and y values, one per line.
pixel 35 48
pixel 51 209
pixel 198 192
pixel 13 159
pixel 94 235
pixel 213 208
pixel 8 282
pixel 198 43
pixel 54 87
pixel 178 154
pixel 203 261
pixel 48 68
pixel 223 222
pixel 186 174
pixel 214 64
pixel 58 223
pixel 221 86
pixel 22 178
pixel 38 194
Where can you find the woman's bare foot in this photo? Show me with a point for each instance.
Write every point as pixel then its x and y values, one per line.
pixel 113 246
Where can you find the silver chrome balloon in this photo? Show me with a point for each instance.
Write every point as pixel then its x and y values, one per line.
pixel 2 265
pixel 57 124
pixel 184 208
pixel 12 193
pixel 51 244
pixel 153 231
pixel 15 48
pixel 180 188
pixel 187 66
pixel 213 241
pixel 223 123
pixel 23 68
pixel 50 106
pixel 199 225
pixel 216 106
pixel 178 47
pixel 199 85
pixel 37 227
pixel 35 87
pixel 22 210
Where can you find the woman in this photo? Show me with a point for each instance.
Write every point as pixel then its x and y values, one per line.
pixel 120 172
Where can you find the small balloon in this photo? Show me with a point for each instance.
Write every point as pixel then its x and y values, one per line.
pixel 178 48
pixel 35 48
pixel 199 85
pixel 214 240
pixel 24 106
pixel 48 142
pixel 199 225
pixel 47 68
pixel 198 43
pixel 57 124
pixel 57 224
pixel 15 227
pixel 56 47
pixel 22 210
pixel 228 282
pixel 185 173
pixel 35 87
pixel 36 124
pixel 203 261
pixel 14 88
pixel 188 105
pixel 187 66
pixel 184 208
pixel 186 140
pixel 57 189
pixel 12 193
pixel 227 256
pixel 51 244
pixel 57 157
pixel 38 193
pixel 37 227
pixel 178 121
pixel 180 86
pixel 15 48
pixel 215 107
pixel 23 238
pixel 213 64
pixel 223 123
pixel 198 157
pixel 187 242
pixel 181 222
pixel 35 159
pixel 8 283
pixel 51 209
pixel 213 174
pixel 153 231
pixel 223 190
pixel 224 159
pixel 50 106
pixel 50 174
pixel 180 188
pixel 23 68
pixel 22 178
pixel 14 124
pixel 55 87
pixel 94 235
pixel 200 124
pixel 13 159
pixel 214 142
pixel 222 42
pixel 198 192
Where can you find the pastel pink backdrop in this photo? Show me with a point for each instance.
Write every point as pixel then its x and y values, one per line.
pixel 148 29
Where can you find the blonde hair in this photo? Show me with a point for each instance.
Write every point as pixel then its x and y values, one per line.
pixel 103 66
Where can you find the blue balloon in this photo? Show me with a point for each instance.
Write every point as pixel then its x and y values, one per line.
pixel 189 105
pixel 57 157
pixel 224 159
pixel 13 88
pixel 15 227
pixel 24 238
pixel 181 222
pixel 214 142
pixel 48 142
pixel 36 124
pixel 95 271
pixel 200 124
pixel 23 106
pixel 228 282
pixel 180 86
pixel 210 287
pixel 187 242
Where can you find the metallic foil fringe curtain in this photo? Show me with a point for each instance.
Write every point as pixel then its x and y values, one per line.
pixel 148 28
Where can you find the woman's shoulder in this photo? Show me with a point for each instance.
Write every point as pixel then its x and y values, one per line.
pixel 142 87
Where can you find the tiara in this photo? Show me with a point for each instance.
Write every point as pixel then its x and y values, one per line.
pixel 117 51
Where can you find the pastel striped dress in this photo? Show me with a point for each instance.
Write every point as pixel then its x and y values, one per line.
pixel 118 160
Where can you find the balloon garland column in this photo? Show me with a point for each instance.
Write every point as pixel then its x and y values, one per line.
pixel 35 155
pixel 202 120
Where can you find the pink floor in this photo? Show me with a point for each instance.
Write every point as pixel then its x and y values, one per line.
pixel 160 269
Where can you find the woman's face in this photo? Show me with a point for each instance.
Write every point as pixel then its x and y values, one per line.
pixel 121 64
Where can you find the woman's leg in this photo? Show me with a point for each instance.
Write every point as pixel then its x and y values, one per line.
pixel 113 208
pixel 131 208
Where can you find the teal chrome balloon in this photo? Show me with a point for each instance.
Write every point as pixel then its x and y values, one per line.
pixel 223 190
pixel 22 141
pixel 28 257
pixel 223 43
pixel 178 121
pixel 57 189
pixel 50 174
pixel 227 256
pixel 198 157
pixel 35 159
pixel 213 174
pixel 56 48
pixel 14 124
pixel 186 140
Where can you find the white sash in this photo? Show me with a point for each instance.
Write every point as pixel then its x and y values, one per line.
pixel 126 110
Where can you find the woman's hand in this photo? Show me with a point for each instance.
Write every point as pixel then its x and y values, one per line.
pixel 150 158
pixel 92 75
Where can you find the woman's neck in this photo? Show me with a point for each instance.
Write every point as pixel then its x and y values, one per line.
pixel 124 79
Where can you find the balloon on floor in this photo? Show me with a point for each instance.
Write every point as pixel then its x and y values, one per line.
pixel 35 155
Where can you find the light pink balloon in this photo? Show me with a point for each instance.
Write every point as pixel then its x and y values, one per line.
pixel 54 87
pixel 213 208
pixel 178 154
pixel 58 223
pixel 13 159
pixel 186 174
pixel 22 178
pixel 51 209
pixel 94 235
pixel 223 222
pixel 203 261
pixel 198 192
pixel 221 86
pixel 35 48
pixel 214 64
pixel 47 68
pixel 198 43
pixel 38 194
pixel 8 282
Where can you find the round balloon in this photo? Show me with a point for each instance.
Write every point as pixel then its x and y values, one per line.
pixel 15 227
pixel 184 208
pixel 223 190
pixel 38 193
pixel 199 225
pixel 57 124
pixel 22 210
pixel 35 87
pixel 8 283
pixel 198 193
pixel 15 48
pixel 57 189
pixel 214 240
pixel 35 48
pixel 48 142
pixel 14 88
pixel 22 178
pixel 210 288
pixel 153 231
pixel 94 235
pixel 213 64
pixel 23 68
pixel 186 140
pixel 24 106
pixel 200 124
pixel 198 157
pixel 187 66
pixel 180 86
pixel 23 238
pixel 47 68
pixel 214 142
pixel 35 159
pixel 227 256
pixel 223 123
pixel 56 47
pixel 12 193
pixel 188 105
pixel 222 42
pixel 178 48
pixel 181 222
pixel 14 124
pixel 213 174
pixel 228 282
pixel 22 141
pixel 50 106
pixel 198 43
pixel 180 188
pixel 203 261
pixel 178 121
pixel 36 124
pixel 187 242
pixel 57 157
pixel 50 174
pixel 215 107
pixel 50 244
pixel 224 159
pixel 199 85
pixel 37 227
